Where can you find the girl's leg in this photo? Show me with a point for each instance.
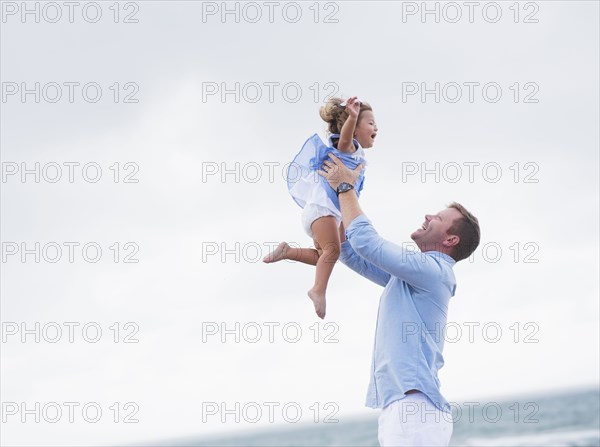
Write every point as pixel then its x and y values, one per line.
pixel 284 251
pixel 326 232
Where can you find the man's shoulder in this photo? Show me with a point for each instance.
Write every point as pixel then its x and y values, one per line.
pixel 437 265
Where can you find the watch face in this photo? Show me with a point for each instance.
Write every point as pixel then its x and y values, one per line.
pixel 343 187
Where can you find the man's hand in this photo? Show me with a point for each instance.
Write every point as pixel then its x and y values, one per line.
pixel 336 172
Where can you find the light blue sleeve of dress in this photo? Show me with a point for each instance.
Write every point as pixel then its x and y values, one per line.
pixel 305 163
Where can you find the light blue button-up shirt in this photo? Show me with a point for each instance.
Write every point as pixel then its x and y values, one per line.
pixel 413 310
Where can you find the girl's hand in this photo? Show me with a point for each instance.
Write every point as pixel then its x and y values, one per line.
pixel 353 106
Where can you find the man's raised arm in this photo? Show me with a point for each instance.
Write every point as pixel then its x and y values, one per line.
pixel 413 267
pixel 360 265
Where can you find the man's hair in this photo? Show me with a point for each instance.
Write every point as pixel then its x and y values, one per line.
pixel 467 229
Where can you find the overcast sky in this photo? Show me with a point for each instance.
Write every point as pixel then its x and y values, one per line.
pixel 201 112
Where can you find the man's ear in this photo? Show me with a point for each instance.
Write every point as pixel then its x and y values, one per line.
pixel 452 241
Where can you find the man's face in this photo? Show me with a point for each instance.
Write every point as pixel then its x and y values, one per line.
pixel 433 234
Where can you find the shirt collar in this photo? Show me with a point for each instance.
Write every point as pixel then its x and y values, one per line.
pixel 439 255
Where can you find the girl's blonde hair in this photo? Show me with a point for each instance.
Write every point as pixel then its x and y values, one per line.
pixel 335 115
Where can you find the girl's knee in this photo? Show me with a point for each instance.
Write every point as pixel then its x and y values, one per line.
pixel 332 249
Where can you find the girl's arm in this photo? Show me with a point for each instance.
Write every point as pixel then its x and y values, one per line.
pixel 345 144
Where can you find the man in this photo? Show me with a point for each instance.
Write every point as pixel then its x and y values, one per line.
pixel 412 311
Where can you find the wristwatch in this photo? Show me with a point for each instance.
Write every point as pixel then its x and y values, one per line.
pixel 343 187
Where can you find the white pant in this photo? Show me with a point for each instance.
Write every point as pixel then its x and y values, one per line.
pixel 414 421
pixel 312 212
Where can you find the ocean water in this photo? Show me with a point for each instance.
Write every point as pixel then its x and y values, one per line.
pixel 560 419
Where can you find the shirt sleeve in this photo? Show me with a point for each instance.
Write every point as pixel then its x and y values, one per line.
pixel 414 267
pixel 361 266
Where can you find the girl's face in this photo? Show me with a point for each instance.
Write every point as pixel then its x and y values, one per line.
pixel 366 129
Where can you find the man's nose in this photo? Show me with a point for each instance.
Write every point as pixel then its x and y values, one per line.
pixel 427 217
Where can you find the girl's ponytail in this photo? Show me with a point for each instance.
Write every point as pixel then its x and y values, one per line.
pixel 333 114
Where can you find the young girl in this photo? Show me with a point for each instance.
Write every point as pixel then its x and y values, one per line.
pixel 352 128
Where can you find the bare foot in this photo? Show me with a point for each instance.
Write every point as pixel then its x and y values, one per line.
pixel 318 299
pixel 278 254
